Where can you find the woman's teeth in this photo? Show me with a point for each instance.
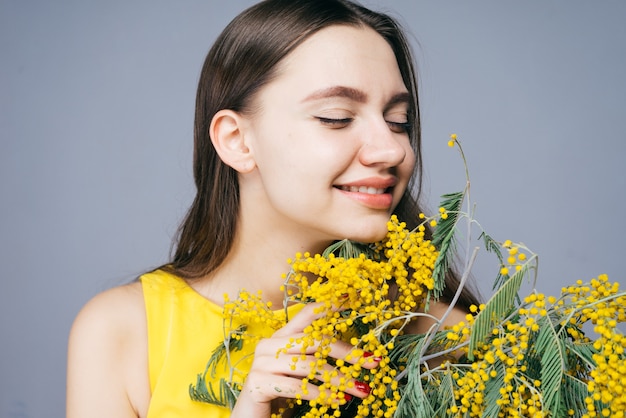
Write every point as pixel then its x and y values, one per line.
pixel 362 189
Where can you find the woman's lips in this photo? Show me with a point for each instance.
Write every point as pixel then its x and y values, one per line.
pixel 362 189
pixel 371 197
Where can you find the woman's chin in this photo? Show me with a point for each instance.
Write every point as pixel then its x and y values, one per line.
pixel 370 235
pixel 366 231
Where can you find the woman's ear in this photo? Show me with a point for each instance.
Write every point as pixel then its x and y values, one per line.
pixel 227 135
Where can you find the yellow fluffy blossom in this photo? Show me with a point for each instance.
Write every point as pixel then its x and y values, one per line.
pixel 355 293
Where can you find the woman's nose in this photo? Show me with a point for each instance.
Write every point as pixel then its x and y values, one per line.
pixel 383 147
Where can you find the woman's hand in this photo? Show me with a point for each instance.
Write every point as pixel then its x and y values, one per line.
pixel 274 375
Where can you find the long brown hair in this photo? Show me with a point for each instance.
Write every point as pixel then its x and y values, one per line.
pixel 242 60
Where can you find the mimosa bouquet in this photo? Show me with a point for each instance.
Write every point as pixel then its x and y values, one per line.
pixel 512 356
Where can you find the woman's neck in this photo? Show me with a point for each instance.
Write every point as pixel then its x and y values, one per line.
pixel 255 263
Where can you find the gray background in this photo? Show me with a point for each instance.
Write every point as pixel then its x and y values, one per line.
pixel 96 105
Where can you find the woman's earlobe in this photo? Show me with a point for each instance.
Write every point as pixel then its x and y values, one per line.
pixel 228 138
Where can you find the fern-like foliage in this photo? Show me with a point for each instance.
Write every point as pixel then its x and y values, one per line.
pixel 443 239
pixel 346 248
pixel 583 351
pixel 228 392
pixel 549 348
pixel 414 402
pixel 574 391
pixel 496 309
pixel 202 392
pixel 494 247
pixel 492 392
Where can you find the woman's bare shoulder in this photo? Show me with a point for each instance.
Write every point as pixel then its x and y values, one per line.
pixel 107 355
pixel 122 303
pixel 113 315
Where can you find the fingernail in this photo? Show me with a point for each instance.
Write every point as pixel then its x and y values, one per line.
pixel 347 397
pixel 369 354
pixel 362 386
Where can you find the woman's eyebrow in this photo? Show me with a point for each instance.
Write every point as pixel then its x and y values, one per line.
pixel 399 98
pixel 355 95
pixel 338 91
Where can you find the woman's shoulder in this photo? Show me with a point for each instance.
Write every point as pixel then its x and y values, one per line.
pixel 113 310
pixel 110 323
pixel 107 351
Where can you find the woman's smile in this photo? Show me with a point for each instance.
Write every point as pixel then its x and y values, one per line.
pixel 362 189
pixel 374 192
pixel 369 196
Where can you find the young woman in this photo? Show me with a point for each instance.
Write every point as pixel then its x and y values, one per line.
pixel 307 131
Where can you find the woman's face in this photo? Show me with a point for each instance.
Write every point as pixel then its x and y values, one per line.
pixel 329 139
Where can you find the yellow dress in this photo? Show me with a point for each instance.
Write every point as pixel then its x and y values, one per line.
pixel 183 330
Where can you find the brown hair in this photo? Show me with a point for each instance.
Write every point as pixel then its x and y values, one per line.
pixel 242 60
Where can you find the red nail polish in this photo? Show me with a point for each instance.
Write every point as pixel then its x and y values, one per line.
pixel 369 354
pixel 347 397
pixel 362 386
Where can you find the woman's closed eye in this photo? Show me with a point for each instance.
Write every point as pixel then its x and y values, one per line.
pixel 334 123
pixel 337 123
pixel 399 127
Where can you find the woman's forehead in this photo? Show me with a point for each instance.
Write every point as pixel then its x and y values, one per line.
pixel 342 55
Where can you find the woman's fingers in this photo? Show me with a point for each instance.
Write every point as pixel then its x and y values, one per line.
pixel 260 389
pixel 271 361
pixel 291 336
pixel 282 361
pixel 303 319
pixel 296 365
pixel 292 346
